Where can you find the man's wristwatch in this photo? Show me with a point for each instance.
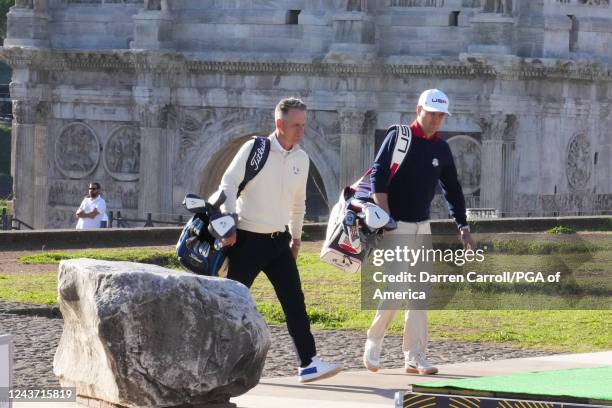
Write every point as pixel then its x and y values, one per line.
pixel 464 228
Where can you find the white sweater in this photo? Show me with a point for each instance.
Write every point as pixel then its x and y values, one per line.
pixel 275 197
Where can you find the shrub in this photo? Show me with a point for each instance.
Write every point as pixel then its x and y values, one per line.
pixel 561 230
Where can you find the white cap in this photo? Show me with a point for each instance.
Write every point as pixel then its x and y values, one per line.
pixel 434 100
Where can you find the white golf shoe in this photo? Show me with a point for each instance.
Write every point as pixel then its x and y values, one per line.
pixel 371 355
pixel 318 370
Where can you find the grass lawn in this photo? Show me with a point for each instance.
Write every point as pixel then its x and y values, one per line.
pixel 333 300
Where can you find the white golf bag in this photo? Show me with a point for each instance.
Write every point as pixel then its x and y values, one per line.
pixel 354 227
pixel 356 223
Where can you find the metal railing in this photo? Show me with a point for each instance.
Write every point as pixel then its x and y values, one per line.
pixel 118 221
pixel 9 222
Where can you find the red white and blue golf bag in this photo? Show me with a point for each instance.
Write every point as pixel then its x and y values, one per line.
pixel 355 222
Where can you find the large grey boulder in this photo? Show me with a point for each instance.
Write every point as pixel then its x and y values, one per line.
pixel 141 335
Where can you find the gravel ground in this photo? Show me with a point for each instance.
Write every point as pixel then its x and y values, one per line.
pixel 37 331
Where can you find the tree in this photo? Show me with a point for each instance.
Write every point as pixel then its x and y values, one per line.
pixel 4 9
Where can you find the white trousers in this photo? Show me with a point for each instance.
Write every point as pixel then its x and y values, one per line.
pixel 415 321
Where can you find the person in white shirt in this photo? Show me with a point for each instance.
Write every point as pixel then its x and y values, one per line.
pixel 92 210
pixel 271 212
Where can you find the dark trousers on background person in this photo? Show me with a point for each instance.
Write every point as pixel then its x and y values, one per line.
pixel 270 253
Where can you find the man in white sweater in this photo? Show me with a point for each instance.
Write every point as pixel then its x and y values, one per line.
pixel 275 198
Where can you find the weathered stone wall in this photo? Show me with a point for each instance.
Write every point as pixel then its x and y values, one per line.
pixel 153 98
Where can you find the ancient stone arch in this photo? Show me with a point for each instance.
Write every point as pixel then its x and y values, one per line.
pixel 205 163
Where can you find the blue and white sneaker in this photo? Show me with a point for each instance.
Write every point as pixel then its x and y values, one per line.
pixel 318 370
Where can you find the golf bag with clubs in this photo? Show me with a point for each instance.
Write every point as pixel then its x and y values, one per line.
pixel 200 247
pixel 356 223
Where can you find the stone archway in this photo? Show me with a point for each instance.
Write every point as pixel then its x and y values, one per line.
pixel 217 166
pixel 317 201
pixel 218 143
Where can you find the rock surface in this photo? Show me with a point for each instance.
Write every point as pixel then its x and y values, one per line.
pixel 142 335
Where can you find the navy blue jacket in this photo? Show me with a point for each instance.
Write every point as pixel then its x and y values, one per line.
pixel 412 188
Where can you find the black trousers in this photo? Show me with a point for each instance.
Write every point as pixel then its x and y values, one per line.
pixel 253 253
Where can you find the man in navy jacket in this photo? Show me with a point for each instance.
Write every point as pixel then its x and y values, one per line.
pixel 407 196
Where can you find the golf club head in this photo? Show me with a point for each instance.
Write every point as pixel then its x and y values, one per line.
pixel 194 203
pixel 222 226
pixel 375 217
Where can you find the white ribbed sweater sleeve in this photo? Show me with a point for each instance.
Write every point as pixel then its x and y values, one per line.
pixel 233 177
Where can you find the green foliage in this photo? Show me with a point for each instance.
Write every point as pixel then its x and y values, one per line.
pixel 561 230
pixel 4 205
pixel 5 159
pixel 4 9
pixel 526 247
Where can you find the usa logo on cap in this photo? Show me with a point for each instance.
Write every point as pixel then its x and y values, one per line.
pixel 434 100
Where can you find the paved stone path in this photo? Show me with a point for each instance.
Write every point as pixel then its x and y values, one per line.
pixel 37 331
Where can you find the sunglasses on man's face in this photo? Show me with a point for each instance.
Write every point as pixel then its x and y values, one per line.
pixel 93 188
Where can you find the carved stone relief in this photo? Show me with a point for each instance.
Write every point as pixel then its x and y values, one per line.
pixel 61 218
pixel 77 151
pixel 578 166
pixel 202 128
pixel 169 117
pixel 190 129
pixel 493 127
pixel 118 196
pixel 149 115
pixel 351 122
pixel 123 196
pixel 573 203
pixel 43 109
pixel 24 112
pixel 66 193
pixel 466 153
pixel 122 154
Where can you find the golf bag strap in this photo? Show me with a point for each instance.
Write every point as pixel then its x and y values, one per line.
pixel 400 150
pixel 256 160
pixel 402 145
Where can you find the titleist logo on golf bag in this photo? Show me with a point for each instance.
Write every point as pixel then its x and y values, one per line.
pixel 256 160
pixel 258 157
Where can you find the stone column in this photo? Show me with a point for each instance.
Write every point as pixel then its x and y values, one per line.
pixel 168 123
pixel 23 136
pixel 151 160
pixel 41 165
pixel 356 145
pixel 491 186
